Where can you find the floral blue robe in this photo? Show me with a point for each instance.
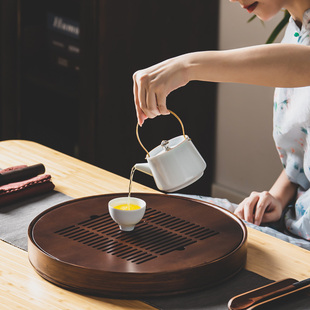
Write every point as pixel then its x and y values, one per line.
pixel 291 134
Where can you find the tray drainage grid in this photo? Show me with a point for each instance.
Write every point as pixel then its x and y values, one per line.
pixel 157 234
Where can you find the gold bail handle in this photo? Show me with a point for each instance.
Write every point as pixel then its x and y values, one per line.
pixel 137 133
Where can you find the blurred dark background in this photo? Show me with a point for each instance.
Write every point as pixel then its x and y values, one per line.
pixel 66 77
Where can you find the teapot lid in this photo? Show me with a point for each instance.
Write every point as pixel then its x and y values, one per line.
pixel 167 145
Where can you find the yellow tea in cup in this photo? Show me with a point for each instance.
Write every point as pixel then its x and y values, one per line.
pixel 127 207
pixel 127 211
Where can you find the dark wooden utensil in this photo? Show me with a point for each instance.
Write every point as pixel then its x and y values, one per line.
pixel 244 303
pixel 21 174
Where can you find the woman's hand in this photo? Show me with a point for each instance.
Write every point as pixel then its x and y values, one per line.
pixel 260 208
pixel 152 86
pixel 267 207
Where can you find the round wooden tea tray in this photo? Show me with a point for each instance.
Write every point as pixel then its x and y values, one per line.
pixel 181 245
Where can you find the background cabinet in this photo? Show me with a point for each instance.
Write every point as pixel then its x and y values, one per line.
pixel 81 102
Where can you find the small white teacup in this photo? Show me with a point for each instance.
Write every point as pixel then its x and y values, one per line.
pixel 127 219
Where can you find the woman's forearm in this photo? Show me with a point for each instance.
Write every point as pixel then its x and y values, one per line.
pixel 283 189
pixel 274 65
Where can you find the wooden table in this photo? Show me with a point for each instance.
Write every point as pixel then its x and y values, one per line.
pixel 22 288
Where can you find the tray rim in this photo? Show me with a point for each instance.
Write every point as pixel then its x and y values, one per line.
pixel 227 212
pixel 239 250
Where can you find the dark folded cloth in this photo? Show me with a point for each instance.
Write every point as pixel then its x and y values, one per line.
pixel 27 188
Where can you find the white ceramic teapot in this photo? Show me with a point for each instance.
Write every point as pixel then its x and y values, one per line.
pixel 174 164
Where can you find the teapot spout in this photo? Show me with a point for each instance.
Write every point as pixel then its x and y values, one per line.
pixel 145 168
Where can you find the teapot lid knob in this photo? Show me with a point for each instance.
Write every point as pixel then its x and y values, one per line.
pixel 165 145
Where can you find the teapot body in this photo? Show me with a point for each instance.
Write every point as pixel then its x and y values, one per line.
pixel 175 163
pixel 177 167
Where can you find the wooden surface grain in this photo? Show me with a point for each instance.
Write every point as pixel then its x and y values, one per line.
pixel 22 288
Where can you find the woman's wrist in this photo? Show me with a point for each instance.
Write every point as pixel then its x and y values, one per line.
pixel 283 190
pixel 190 67
pixel 280 199
pixel 200 66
